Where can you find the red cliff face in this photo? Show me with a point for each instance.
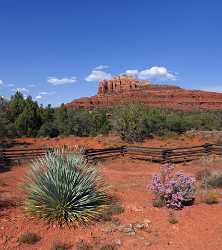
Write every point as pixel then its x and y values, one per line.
pixel 128 90
pixel 120 84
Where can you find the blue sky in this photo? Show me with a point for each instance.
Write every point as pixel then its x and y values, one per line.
pixel 57 51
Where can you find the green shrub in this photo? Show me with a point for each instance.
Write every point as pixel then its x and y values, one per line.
pixel 212 179
pixel 48 129
pixel 210 197
pixel 159 202
pixel 128 121
pixel 108 247
pixel 83 245
pixel 172 218
pixel 133 122
pixel 61 187
pixel 82 122
pixel 56 245
pixel 7 128
pixel 114 209
pixel 215 180
pixel 203 175
pixel 29 238
pixel 101 122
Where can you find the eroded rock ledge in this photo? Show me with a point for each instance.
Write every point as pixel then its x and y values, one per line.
pixel 126 89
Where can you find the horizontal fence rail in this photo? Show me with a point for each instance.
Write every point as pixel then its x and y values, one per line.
pixel 160 155
pixel 8 156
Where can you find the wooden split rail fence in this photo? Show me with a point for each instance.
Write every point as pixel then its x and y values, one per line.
pixel 160 155
pixel 8 156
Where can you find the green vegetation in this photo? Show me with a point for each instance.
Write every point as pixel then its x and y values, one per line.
pixel 159 202
pixel 61 187
pixel 83 245
pixel 136 122
pixel 210 197
pixel 212 179
pixel 6 125
pixel 114 209
pixel 215 180
pixel 172 218
pixel 209 180
pixel 57 245
pixel 21 116
pixel 108 247
pixel 29 238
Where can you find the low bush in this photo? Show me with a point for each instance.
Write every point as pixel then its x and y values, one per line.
pixel 128 122
pixel 83 245
pixel 114 209
pixel 172 218
pixel 159 202
pixel 175 189
pixel 203 174
pixel 61 187
pixel 108 247
pixel 215 180
pixel 48 129
pixel 29 238
pixel 210 197
pixel 210 178
pixel 56 245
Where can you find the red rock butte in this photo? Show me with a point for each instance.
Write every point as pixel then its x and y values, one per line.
pixel 126 89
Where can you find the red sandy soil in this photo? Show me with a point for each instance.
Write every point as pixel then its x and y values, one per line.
pixel 113 140
pixel 199 226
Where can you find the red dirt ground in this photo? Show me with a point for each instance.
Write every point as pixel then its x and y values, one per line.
pixel 199 226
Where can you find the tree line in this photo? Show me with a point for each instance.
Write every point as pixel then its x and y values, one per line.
pixel 21 116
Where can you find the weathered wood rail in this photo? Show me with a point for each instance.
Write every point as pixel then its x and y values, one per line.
pixel 10 155
pixel 161 155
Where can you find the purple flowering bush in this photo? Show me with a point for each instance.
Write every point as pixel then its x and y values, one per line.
pixel 175 189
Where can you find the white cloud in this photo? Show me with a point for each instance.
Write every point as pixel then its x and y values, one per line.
pixel 98 75
pixel 21 90
pixel 1 82
pixel 132 72
pixel 156 72
pixel 101 67
pixel 38 97
pixel 44 93
pixel 61 81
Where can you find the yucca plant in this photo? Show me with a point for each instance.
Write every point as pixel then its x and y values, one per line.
pixel 61 187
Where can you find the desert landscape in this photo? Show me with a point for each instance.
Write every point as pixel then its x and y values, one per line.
pixel 110 125
pixel 120 176
pixel 138 225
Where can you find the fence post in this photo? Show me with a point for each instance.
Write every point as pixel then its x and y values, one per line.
pixel 166 154
pixel 123 150
pixel 207 148
pixel 86 154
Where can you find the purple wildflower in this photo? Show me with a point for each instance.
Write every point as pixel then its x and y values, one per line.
pixel 175 189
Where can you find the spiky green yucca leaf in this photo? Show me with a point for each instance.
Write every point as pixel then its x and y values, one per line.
pixel 62 187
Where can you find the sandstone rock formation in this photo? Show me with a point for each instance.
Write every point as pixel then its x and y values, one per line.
pixel 120 84
pixel 129 90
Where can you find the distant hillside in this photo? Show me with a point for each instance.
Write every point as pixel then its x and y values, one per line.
pixel 127 89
